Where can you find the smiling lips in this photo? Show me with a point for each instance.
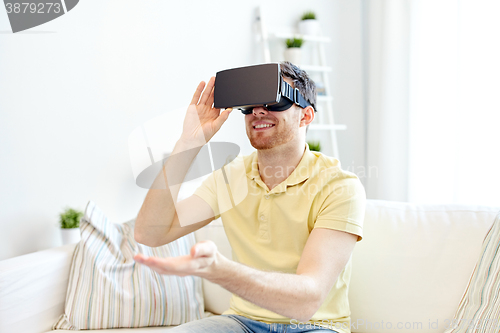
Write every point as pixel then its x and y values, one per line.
pixel 263 126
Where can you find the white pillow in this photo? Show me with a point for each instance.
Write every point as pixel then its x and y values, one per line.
pixel 108 289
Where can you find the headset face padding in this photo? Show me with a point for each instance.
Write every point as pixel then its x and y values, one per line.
pixel 283 105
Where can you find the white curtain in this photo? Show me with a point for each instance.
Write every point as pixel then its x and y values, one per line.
pixel 386 62
pixel 433 100
pixel 455 102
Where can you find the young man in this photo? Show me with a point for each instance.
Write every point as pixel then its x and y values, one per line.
pixel 292 236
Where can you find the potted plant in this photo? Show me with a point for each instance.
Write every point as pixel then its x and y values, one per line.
pixel 309 25
pixel 293 53
pixel 314 145
pixel 69 222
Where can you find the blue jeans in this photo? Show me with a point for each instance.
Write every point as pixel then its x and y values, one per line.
pixel 240 324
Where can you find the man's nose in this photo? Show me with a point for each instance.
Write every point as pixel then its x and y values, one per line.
pixel 260 111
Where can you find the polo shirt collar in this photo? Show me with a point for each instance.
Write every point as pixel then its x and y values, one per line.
pixel 302 172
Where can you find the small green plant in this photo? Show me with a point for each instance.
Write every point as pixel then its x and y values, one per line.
pixel 70 218
pixel 308 16
pixel 314 145
pixel 294 42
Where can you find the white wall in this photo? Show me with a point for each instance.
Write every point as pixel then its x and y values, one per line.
pixel 72 90
pixel 347 84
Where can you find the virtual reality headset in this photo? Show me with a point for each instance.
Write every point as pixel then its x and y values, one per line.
pixel 248 87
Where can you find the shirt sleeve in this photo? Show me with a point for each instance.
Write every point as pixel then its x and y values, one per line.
pixel 208 192
pixel 344 208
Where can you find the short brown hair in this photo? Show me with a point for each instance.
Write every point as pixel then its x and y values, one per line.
pixel 301 81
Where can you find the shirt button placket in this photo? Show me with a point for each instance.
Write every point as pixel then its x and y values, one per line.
pixel 263 219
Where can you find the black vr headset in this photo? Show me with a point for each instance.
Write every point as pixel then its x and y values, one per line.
pixel 248 87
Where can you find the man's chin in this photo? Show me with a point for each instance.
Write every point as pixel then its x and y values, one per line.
pixel 261 145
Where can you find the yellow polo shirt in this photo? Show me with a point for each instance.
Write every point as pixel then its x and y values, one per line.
pixel 268 229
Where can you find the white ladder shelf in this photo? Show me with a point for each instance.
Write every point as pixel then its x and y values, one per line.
pixel 324 120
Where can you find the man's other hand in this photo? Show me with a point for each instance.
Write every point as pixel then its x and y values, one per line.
pixel 201 261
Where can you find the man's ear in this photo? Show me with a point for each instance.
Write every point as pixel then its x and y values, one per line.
pixel 307 116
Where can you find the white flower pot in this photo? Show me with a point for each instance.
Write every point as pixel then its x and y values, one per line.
pixel 70 236
pixel 309 27
pixel 293 55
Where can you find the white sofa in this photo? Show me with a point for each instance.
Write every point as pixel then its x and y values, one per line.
pixel 410 270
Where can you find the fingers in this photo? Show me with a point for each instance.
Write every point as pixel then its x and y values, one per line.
pixel 210 100
pixel 208 91
pixel 142 259
pixel 181 266
pixel 197 93
pixel 163 265
pixel 222 118
pixel 139 257
pixel 203 249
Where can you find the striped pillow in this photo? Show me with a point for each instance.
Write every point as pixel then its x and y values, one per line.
pixel 107 289
pixel 479 309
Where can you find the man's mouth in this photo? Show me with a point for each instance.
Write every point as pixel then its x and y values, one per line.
pixel 262 127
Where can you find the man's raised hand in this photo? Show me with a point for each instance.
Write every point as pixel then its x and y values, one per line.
pixel 202 120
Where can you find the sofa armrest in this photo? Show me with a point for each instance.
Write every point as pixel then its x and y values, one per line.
pixel 33 289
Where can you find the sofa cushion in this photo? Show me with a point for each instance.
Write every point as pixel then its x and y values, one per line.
pixel 33 288
pixel 107 289
pixel 478 309
pixel 412 266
